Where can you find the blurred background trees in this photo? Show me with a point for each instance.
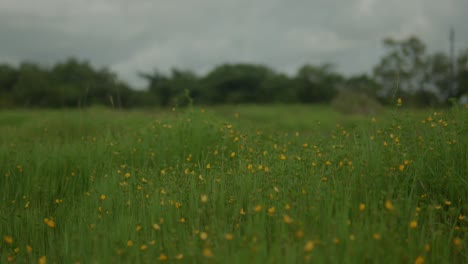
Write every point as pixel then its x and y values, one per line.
pixel 406 70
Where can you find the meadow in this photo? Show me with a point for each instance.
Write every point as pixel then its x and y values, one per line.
pixel 234 184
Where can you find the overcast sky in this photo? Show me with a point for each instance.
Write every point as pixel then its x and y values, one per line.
pixel 141 35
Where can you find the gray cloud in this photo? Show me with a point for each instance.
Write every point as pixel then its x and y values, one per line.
pixel 131 36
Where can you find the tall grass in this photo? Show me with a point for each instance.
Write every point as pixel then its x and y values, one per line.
pixel 195 186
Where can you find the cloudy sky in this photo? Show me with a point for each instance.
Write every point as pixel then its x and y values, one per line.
pixel 141 35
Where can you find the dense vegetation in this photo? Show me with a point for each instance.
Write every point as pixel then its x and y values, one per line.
pixel 243 184
pixel 406 71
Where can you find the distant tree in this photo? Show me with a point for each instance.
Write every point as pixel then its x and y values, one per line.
pixel 403 67
pixel 438 78
pixel 184 86
pixel 33 87
pixel 79 84
pixel 462 75
pixel 317 83
pixel 235 83
pixel 8 79
pixel 105 89
pixel 363 84
pixel 277 88
pixel 74 79
pixel 158 85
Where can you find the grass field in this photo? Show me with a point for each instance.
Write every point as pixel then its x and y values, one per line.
pixel 245 184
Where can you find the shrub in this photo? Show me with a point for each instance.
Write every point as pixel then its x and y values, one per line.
pixel 355 103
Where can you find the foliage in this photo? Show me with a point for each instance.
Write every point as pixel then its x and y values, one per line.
pixel 462 75
pixel 67 84
pixel 363 84
pixel 236 83
pixel 425 79
pixel 403 67
pixel 350 102
pixel 171 90
pixel 317 84
pixel 406 71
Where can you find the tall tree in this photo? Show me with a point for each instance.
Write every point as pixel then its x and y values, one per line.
pixel 462 75
pixel 363 84
pixel 33 87
pixel 74 80
pixel 8 79
pixel 158 84
pixel 403 67
pixel 317 83
pixel 235 83
pixel 439 77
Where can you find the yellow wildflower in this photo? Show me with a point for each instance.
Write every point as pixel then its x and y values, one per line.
pixel 207 252
pixel 258 208
pixel 457 242
pixel 399 102
pixel 388 205
pixel 309 246
pixel 8 239
pixel 287 219
pixel 419 260
pixel 162 257
pixel 427 247
pixel 203 235
pixel 271 210
pixel 376 236
pixel 362 207
pixel 299 234
pixel 49 222
pixel 42 260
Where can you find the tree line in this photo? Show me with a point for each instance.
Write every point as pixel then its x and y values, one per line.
pixel 405 71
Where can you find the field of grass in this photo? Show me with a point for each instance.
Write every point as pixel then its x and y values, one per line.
pixel 246 184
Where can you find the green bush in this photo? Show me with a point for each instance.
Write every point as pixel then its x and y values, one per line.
pixel 355 103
